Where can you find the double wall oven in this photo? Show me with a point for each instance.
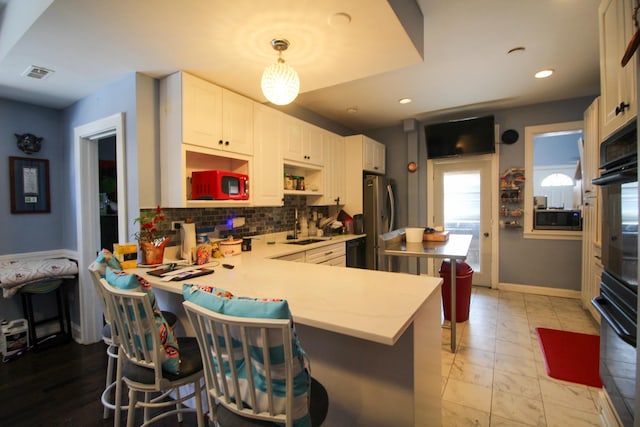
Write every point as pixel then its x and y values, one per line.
pixel 618 299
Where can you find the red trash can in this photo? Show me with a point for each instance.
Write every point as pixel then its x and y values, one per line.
pixel 464 277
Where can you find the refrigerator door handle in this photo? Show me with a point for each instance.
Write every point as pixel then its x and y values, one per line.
pixel 392 207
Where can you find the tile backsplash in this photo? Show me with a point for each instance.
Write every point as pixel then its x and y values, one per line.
pixel 257 219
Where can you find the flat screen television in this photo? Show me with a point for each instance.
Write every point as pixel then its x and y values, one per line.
pixel 461 137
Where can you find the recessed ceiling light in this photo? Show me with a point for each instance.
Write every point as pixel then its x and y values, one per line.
pixel 543 73
pixel 339 19
pixel 352 110
pixel 405 100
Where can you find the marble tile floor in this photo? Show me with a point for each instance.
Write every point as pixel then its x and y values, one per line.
pixel 497 377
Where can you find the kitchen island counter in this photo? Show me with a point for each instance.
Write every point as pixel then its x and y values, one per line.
pixel 372 336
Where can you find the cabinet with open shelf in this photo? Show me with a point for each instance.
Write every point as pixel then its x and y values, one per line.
pixel 313 179
pixel 176 177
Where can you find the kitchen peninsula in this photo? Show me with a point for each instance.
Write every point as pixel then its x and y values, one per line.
pixel 373 337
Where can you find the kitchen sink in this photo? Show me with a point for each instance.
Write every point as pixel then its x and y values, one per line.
pixel 305 241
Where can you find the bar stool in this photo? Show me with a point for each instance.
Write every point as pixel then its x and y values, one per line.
pixel 113 347
pixel 63 317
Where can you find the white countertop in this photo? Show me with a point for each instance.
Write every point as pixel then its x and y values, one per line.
pixel 372 305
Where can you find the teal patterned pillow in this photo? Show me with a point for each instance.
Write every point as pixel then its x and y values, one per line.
pixel 168 339
pixel 224 302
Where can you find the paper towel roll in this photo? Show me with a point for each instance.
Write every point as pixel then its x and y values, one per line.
pixel 188 235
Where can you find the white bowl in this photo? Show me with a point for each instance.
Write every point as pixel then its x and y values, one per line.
pixel 414 234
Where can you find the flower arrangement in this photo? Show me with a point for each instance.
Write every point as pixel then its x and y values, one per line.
pixel 150 228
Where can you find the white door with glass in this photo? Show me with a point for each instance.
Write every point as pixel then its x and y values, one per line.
pixel 461 203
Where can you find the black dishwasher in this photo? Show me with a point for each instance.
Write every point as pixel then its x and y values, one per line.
pixel 356 253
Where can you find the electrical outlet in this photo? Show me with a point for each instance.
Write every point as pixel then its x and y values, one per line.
pixel 175 225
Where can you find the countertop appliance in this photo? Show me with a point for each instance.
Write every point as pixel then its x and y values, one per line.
pixel 557 219
pixel 378 215
pixel 618 299
pixel 219 185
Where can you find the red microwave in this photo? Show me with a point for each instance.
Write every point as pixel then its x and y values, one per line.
pixel 219 185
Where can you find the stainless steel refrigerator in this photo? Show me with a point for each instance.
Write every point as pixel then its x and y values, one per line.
pixel 378 215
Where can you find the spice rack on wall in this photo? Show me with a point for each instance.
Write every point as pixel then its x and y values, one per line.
pixel 511 197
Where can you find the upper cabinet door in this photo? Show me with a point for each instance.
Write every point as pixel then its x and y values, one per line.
pixel 374 158
pixel 618 84
pixel 237 123
pixel 201 112
pixel 303 142
pixel 313 144
pixel 214 117
pixel 268 170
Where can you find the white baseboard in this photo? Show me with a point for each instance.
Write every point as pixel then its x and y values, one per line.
pixel 608 415
pixel 539 290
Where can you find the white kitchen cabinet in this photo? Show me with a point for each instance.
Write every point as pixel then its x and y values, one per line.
pixel 618 84
pixel 333 255
pixel 189 137
pixel 591 148
pixel 266 182
pixel 208 115
pixel 374 156
pixel 302 142
pixel 591 222
pixel 357 149
pixel 334 172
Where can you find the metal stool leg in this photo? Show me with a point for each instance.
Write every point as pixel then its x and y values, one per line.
pixel 108 381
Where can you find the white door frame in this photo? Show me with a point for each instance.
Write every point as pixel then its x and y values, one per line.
pixel 495 226
pixel 85 147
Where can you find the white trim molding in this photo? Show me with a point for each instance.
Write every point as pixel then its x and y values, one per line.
pixel 88 216
pixel 539 290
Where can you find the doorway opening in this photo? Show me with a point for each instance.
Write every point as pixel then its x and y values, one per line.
pixel 460 200
pixel 87 210
pixel 108 188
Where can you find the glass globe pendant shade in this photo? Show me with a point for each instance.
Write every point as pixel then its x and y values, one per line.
pixel 280 83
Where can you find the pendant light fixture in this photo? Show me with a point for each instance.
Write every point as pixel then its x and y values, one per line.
pixel 280 82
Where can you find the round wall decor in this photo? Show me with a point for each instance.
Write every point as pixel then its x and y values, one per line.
pixel 509 136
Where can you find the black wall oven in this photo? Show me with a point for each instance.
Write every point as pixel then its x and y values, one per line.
pixel 618 300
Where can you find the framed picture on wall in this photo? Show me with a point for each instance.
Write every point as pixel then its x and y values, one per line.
pixel 29 180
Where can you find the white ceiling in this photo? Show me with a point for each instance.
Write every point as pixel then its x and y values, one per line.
pixel 368 64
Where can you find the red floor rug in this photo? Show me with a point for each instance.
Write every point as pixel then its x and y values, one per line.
pixel 570 356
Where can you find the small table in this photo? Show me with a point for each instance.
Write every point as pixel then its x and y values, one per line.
pixel 455 248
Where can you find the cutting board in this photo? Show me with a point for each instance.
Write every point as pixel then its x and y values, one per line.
pixel 436 236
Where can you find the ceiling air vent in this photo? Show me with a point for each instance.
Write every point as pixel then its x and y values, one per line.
pixel 35 72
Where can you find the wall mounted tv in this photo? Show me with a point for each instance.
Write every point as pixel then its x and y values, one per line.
pixel 461 137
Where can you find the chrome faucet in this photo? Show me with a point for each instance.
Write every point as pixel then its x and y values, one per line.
pixel 295 223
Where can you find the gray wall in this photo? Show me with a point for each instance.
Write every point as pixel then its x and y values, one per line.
pixel 57 230
pixel 545 263
pixel 34 231
pixel 119 96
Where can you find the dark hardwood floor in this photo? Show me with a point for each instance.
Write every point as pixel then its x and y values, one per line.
pixel 60 386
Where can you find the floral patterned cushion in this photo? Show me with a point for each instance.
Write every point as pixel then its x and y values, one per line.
pixel 122 280
pixel 105 259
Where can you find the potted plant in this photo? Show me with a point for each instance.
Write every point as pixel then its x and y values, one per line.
pixel 150 237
